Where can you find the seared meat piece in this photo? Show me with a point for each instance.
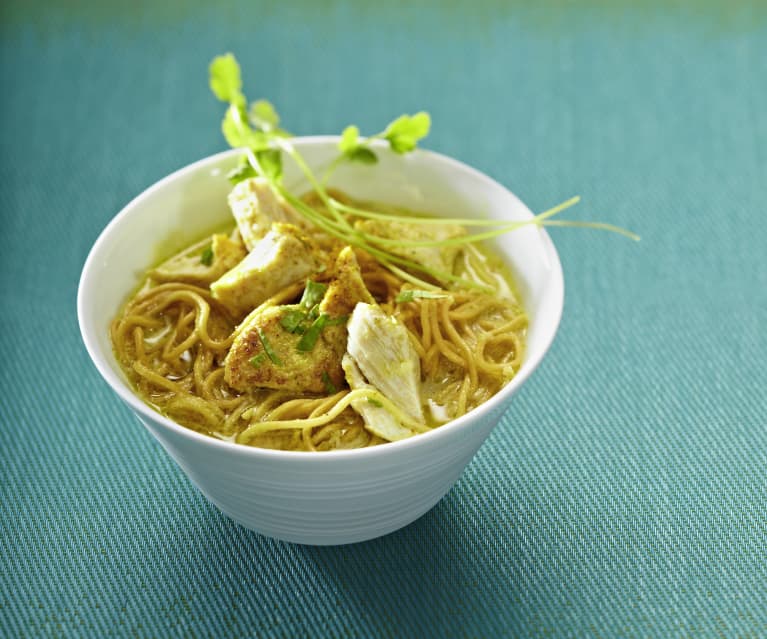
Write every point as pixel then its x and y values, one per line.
pixel 249 363
pixel 282 257
pixel 307 341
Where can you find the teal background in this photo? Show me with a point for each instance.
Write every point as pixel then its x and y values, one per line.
pixel 624 494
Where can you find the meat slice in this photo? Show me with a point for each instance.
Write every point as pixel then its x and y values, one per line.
pixel 440 258
pixel 378 420
pixel 347 287
pixel 201 263
pixel 256 207
pixel 381 349
pixel 282 257
pixel 265 355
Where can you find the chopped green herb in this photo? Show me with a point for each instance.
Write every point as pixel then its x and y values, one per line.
pixel 312 334
pixel 337 321
pixel 207 256
pixel 256 361
pixel 313 294
pixel 412 294
pixel 295 321
pixel 330 387
pixel 268 348
pixel 291 321
pixel 375 402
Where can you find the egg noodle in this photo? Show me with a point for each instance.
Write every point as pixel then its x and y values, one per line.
pixel 172 337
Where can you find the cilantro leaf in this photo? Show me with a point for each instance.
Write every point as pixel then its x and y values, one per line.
pixel 257 360
pixel 291 321
pixel 225 79
pixel 313 294
pixel 330 387
pixel 337 321
pixel 312 334
pixel 404 133
pixel 268 348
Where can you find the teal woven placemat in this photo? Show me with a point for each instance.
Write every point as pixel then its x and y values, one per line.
pixel 624 493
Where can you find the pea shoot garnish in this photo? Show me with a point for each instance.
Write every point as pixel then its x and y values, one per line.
pixel 255 128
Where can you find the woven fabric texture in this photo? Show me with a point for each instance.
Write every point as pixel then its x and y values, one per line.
pixel 624 494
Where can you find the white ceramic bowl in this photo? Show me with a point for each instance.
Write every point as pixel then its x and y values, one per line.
pixel 333 497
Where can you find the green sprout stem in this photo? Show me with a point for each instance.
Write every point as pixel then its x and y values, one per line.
pixel 316 184
pixel 596 225
pixel 402 134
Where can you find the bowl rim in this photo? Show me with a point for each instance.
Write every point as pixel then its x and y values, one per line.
pixel 432 437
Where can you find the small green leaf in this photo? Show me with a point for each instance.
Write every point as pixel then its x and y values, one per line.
pixel 375 402
pixel 312 334
pixel 354 149
pixel 263 115
pixel 241 172
pixel 410 295
pixel 404 133
pixel 268 348
pixel 207 256
pixel 349 139
pixel 313 294
pixel 330 387
pixel 363 155
pixel 256 361
pixel 225 79
pixel 270 162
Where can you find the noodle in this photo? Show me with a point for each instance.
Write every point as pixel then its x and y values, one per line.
pixel 172 337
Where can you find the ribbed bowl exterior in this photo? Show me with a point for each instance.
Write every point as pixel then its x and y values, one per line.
pixel 313 499
pixel 341 496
